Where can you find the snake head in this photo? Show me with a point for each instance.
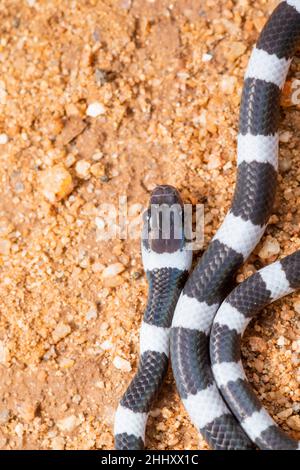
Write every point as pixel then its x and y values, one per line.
pixel 163 235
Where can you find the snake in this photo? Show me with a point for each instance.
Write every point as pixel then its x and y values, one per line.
pixel 167 264
pixel 205 362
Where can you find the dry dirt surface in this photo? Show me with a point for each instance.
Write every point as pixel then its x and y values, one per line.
pixel 100 100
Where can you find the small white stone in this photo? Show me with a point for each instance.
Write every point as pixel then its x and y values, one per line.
pixel 281 341
pixel 4 416
pixel 122 364
pixel 206 57
pixel 213 162
pixel 296 345
pixel 97 156
pixel 97 267
pixel 58 443
pixel 285 136
pixel 83 168
pixel 228 84
pixel 106 345
pixel 297 306
pixel 92 313
pixel 270 248
pixel 3 353
pixel 3 93
pixel 95 109
pixel 19 429
pixel 100 224
pixel 68 424
pixel 113 270
pixel 3 139
pixel 60 332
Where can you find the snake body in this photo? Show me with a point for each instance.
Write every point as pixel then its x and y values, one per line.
pixel 219 401
pixel 242 304
pixel 167 264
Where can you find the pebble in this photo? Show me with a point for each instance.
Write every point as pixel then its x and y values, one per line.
pixel 206 57
pixel 27 412
pixel 58 443
pixel 68 424
pixel 296 345
pixel 213 162
pixel 19 430
pixel 235 49
pixel 95 109
pixel 4 416
pixel 83 169
pixel 228 84
pixel 100 223
pixel 56 183
pixel 97 156
pixel 113 270
pixel 66 363
pixel 3 353
pixel 3 139
pixel 3 441
pixel 121 364
pixel 91 313
pixel 60 332
pixel 3 93
pixel 98 169
pixel 126 4
pixel 285 413
pixel 294 423
pixel 281 341
pixel 259 365
pixel 257 344
pixel 155 413
pixel 285 136
pixel 97 267
pixel 270 248
pixel 285 164
pixel 297 306
pixel 106 345
pixel 5 246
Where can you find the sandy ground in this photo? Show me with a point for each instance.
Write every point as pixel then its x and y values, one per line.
pixel 101 99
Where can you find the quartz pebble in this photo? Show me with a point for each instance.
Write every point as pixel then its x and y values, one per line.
pixel 4 416
pixel 270 248
pixel 297 306
pixel 68 424
pixel 112 270
pixel 281 341
pixel 58 443
pixel 56 183
pixel 95 109
pixel 83 169
pixel 257 344
pixel 206 57
pixel 5 246
pixel 3 139
pixel 294 423
pixel 3 353
pixel 122 364
pixel 91 313
pixel 60 332
pixel 285 413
